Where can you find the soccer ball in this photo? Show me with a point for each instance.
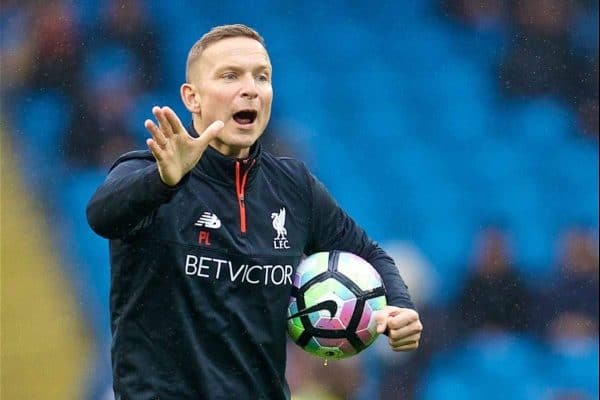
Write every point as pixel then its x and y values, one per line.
pixel 331 313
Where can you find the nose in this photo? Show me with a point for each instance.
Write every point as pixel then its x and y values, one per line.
pixel 249 89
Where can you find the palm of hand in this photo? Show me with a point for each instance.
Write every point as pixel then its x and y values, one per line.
pixel 175 151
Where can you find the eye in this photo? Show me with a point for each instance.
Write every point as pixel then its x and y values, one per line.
pixel 229 76
pixel 263 78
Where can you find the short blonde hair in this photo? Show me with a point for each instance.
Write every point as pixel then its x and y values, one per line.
pixel 214 35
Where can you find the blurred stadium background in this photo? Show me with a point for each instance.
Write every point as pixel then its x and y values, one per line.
pixel 463 135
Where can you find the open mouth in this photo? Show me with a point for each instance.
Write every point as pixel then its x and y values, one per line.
pixel 245 117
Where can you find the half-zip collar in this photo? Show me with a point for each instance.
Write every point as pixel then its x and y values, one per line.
pixel 223 168
pixel 236 172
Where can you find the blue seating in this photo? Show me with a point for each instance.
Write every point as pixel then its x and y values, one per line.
pixel 487 366
pixel 463 93
pixel 87 12
pixel 88 253
pixel 573 366
pixel 142 110
pixel 41 120
pixel 405 126
pixel 540 121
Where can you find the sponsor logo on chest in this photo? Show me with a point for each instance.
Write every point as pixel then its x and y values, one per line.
pixel 210 220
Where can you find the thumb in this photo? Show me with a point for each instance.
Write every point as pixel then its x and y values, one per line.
pixel 209 133
pixel 381 318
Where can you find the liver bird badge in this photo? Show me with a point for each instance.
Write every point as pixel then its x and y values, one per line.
pixel 279 224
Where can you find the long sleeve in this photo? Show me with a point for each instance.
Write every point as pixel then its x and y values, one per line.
pixel 129 196
pixel 333 229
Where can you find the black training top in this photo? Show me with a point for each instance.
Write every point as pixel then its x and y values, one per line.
pixel 201 273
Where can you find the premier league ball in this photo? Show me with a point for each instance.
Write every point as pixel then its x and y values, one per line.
pixel 332 309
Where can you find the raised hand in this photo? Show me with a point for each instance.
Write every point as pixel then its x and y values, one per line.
pixel 175 151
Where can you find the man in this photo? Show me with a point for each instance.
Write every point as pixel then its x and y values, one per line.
pixel 200 278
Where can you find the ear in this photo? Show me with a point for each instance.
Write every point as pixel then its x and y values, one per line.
pixel 190 97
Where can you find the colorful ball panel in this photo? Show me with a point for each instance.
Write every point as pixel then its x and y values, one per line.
pixel 330 324
pixel 310 267
pixel 343 297
pixel 359 271
pixel 367 329
pixel 377 303
pixel 295 326
pixel 347 312
pixel 329 288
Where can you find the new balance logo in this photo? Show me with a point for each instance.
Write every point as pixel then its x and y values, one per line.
pixel 209 220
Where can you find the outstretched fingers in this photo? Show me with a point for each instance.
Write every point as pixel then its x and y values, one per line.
pixel 157 134
pixel 158 141
pixel 157 152
pixel 163 122
pixel 173 121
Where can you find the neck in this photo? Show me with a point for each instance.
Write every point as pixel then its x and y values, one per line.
pixel 229 151
pixel 217 144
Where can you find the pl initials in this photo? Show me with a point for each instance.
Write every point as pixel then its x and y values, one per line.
pixel 204 238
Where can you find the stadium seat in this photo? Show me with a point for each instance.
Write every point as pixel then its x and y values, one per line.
pixel 87 12
pixel 87 252
pixel 487 366
pixel 540 122
pixel 41 121
pixel 573 366
pixel 142 110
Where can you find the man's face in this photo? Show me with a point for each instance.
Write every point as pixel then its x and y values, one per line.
pixel 233 78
